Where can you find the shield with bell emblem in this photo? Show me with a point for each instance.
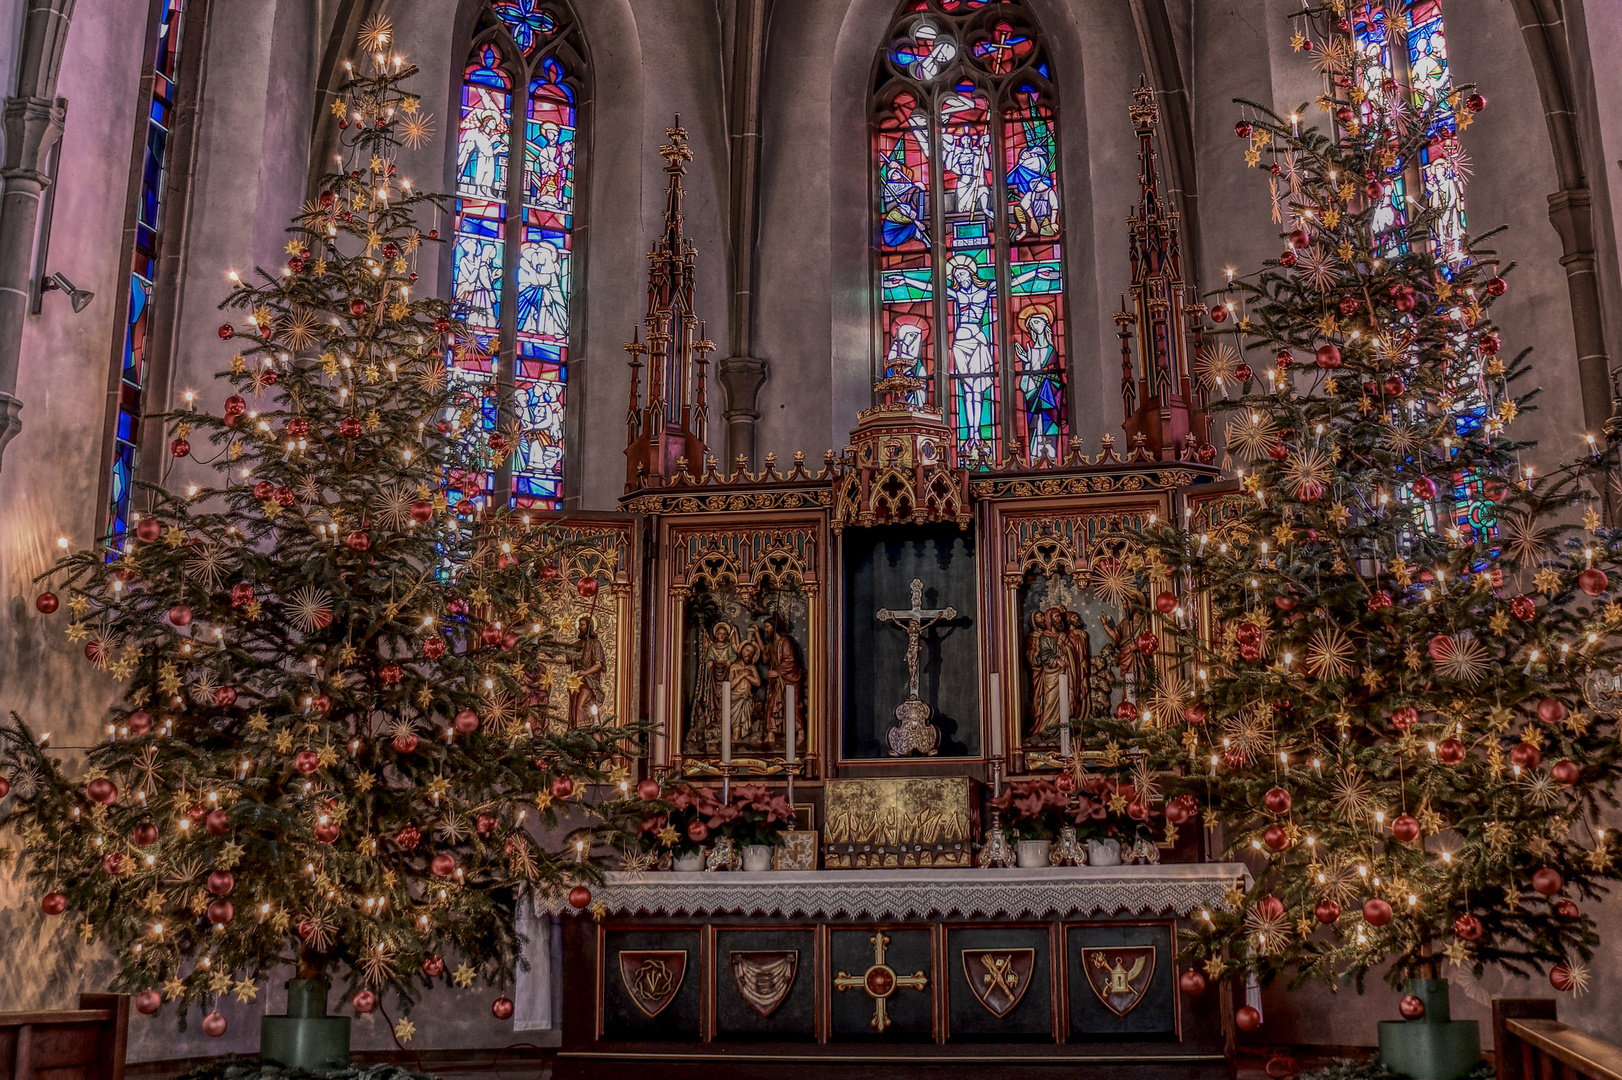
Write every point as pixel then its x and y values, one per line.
pixel 1119 976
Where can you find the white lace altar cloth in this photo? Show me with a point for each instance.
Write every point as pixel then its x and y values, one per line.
pixel 1066 892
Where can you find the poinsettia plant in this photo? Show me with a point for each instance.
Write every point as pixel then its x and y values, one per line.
pixel 679 827
pixel 1096 806
pixel 752 815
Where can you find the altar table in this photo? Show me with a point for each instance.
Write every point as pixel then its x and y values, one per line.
pixel 902 973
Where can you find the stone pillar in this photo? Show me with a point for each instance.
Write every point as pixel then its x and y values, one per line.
pixel 741 375
pixel 1571 213
pixel 33 121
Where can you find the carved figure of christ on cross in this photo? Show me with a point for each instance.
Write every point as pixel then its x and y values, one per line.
pixel 915 621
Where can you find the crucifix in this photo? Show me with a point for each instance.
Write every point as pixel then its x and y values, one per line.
pixel 913 731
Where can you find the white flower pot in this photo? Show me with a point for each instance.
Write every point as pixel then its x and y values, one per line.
pixel 1033 853
pixel 757 858
pixel 1104 852
pixel 690 863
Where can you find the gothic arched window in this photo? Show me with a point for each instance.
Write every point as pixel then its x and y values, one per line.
pixel 967 243
pixel 521 90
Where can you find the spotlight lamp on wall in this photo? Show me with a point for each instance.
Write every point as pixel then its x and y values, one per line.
pixel 79 298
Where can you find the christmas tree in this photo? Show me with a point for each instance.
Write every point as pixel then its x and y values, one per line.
pixel 1384 665
pixel 336 743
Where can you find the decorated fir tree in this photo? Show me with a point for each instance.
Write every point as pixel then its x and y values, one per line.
pixel 1385 664
pixel 335 744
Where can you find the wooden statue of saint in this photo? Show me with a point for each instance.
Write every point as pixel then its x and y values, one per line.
pixel 1057 653
pixel 589 663
pixel 783 670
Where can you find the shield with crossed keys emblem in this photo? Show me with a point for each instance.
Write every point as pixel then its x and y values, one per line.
pixel 1119 976
pixel 998 977
pixel 653 976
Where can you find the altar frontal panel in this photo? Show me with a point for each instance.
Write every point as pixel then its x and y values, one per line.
pixel 651 984
pixel 999 984
pixel 765 984
pixel 882 984
pixel 1121 981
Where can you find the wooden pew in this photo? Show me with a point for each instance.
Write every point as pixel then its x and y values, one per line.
pixel 1530 1044
pixel 86 1043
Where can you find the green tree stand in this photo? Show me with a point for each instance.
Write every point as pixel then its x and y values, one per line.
pixel 306 1038
pixel 1435 1046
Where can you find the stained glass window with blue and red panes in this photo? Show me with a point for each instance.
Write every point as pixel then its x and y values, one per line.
pixel 967 239
pixel 148 213
pixel 519 94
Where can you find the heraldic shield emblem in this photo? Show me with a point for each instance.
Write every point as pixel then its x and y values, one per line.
pixel 653 976
pixel 764 979
pixel 1119 976
pixel 998 978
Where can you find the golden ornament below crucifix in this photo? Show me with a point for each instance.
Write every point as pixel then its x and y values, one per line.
pixel 880 981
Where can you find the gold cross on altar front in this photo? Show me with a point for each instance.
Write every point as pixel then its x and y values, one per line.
pixel 880 981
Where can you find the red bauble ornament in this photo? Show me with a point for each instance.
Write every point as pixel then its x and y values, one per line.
pixel 1278 451
pixel 225 697
pixel 1592 581
pixel 180 448
pixel 486 824
pixel 218 822
pixel 1376 912
pixel 1147 642
pixel 433 648
pixel 1275 837
pixel 1405 828
pixel 490 634
pixel 53 903
pixel 358 540
pixel 214 1025
pixel 442 325
pixel 698 832
pixel 1328 357
pixel 180 615
pixel 442 865
pixel 46 603
pixel 587 587
pixel 298 427
pixel 221 882
pixel 422 511
pixel 227 331
pixel 1468 927
pixel 1327 911
pixel 502 1008
pixel 1566 910
pixel 357 307
pixel 1497 286
pixel 1298 238
pixel 1242 129
pixel 1165 603
pixel 648 789
pixel 1374 189
pixel 1560 978
pixel 434 967
pixel 1125 711
pixel 1277 800
pixel 466 722
pixel 1285 603
pixel 406 743
pixel 1247 1018
pixel 1219 314
pixel 350 427
pixel 284 496
pixel 467 508
pixel 1523 608
pixel 220 912
pixel 433 234
pixel 321 703
pixel 562 787
pixel 140 722
pixel 1440 647
pixel 1176 812
pixel 1379 600
pixel 144 835
pixel 1490 344
pixel 1394 386
pixel 1411 1007
pixel 264 491
pixel 1288 258
pixel 1547 880
pixel 1450 751
pixel 1425 487
pixel 1476 102
pixel 1405 300
pixel 408 837
pixel 1567 772
pixel 1270 907
pixel 1550 710
pixel 364 1002
pixel 326 832
pixel 579 896
pixel 1348 305
pixel 306 762
pixel 1191 982
pixel 391 674
pixel 1404 717
pixel 235 406
pixel 148 1002
pixel 1137 809
pixel 113 863
pixel 102 790
pixel 1525 755
pixel 148 530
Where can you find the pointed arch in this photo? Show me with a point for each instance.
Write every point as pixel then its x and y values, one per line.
pixel 518 181
pixel 968 239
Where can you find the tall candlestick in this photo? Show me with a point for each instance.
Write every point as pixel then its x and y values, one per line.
pixel 658 719
pixel 789 729
pixel 1064 715
pixel 726 722
pixel 995 710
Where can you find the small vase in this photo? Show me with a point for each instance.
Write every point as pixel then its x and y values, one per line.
pixel 1104 852
pixel 757 858
pixel 1033 853
pixel 690 862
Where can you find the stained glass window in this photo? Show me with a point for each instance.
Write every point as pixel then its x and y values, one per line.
pixel 148 222
pixel 520 93
pixel 967 240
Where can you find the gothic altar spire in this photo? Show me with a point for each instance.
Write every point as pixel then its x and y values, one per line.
pixel 1163 318
pixel 672 424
